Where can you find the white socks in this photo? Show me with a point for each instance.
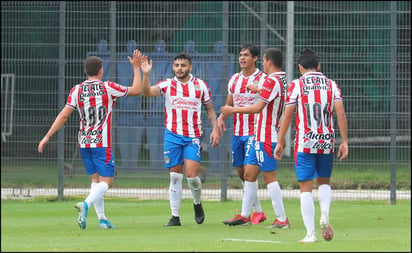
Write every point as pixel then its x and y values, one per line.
pixel 249 197
pixel 175 192
pixel 195 186
pixel 99 205
pixel 97 192
pixel 307 209
pixel 277 201
pixel 325 197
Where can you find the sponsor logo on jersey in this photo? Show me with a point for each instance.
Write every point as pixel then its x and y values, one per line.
pixel 185 103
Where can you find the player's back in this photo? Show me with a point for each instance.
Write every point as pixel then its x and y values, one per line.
pixel 94 100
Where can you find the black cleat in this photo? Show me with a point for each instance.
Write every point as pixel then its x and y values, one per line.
pixel 174 221
pixel 199 214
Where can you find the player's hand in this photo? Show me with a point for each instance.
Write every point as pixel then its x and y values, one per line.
pixel 146 65
pixel 42 144
pixel 221 127
pixel 278 152
pixel 137 59
pixel 343 151
pixel 226 110
pixel 214 138
pixel 251 87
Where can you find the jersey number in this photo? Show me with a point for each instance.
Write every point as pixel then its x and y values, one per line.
pixel 94 114
pixel 316 112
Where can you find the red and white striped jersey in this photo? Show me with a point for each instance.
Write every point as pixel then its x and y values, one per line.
pixel 94 99
pixel 314 94
pixel 244 124
pixel 268 120
pixel 183 105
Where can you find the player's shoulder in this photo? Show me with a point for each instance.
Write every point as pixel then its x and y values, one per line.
pixel 234 76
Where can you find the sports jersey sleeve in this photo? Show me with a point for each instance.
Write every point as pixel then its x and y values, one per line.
pixel 270 90
pixel 206 93
pixel 292 93
pixel 230 90
pixel 72 99
pixel 337 94
pixel 162 86
pixel 115 89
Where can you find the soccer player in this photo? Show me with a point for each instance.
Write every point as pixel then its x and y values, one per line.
pixel 268 110
pixel 94 100
pixel 184 95
pixel 243 124
pixel 316 97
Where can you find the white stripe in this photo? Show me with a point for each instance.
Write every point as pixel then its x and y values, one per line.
pixel 246 240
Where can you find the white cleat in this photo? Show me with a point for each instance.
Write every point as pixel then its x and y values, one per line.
pixel 309 238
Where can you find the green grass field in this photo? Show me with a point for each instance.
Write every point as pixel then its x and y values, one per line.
pixel 44 225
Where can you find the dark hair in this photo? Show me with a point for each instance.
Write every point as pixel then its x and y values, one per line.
pixel 308 59
pixel 92 65
pixel 274 55
pixel 254 50
pixel 183 56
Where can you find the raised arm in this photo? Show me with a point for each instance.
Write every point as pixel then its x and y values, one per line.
pixel 137 80
pixel 147 89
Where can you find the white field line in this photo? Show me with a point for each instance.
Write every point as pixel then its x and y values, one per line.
pixel 207 194
pixel 247 240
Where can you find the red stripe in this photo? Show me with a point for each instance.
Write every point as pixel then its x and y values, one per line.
pixel 173 90
pixel 251 122
pixel 185 114
pixel 232 88
pixel 269 120
pixel 196 124
pixel 185 124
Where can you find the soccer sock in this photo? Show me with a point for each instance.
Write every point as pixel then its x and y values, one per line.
pixel 249 194
pixel 195 186
pixel 99 205
pixel 256 202
pixel 175 192
pixel 307 209
pixel 97 192
pixel 277 201
pixel 325 197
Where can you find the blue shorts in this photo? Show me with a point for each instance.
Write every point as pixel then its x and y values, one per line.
pixel 240 149
pixel 310 166
pixel 100 160
pixel 178 147
pixel 262 155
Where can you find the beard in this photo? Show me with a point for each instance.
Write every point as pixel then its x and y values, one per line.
pixel 183 75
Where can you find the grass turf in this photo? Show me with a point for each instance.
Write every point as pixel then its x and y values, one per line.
pixel 43 225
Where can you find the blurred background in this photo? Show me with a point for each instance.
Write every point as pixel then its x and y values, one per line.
pixel 365 46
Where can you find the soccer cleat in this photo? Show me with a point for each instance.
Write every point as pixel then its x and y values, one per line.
pixel 83 209
pixel 327 232
pixel 237 220
pixel 105 224
pixel 174 221
pixel 258 218
pixel 278 224
pixel 199 213
pixel 309 238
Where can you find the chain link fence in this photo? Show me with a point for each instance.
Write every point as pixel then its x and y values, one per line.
pixel 363 45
